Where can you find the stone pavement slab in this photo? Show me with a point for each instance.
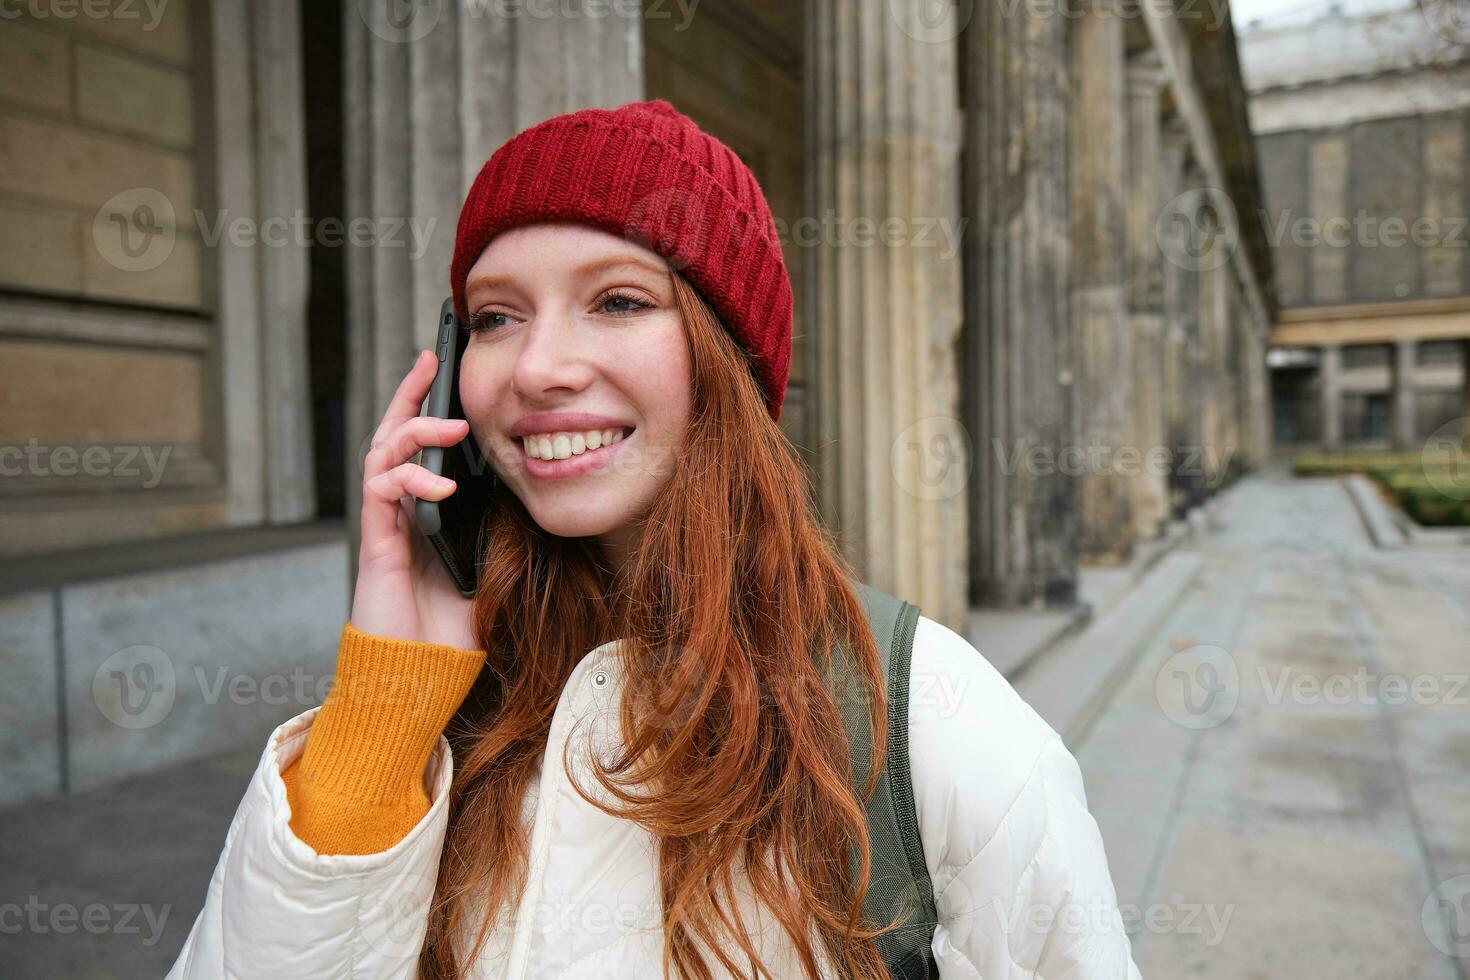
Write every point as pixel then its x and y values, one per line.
pixel 1287 766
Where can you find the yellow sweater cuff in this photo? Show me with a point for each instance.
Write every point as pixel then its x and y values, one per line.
pixel 358 787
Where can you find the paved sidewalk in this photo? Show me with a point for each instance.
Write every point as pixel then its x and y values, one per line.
pixel 1283 780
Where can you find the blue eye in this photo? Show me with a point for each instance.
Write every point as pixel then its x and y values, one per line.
pixel 483 320
pixel 621 297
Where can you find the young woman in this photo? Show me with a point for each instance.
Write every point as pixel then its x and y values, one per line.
pixel 644 773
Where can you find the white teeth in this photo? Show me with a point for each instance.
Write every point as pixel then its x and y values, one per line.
pixel 561 445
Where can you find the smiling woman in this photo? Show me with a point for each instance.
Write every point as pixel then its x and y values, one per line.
pixel 557 349
pixel 637 724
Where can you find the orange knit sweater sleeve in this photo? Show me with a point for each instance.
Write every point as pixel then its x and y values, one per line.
pixel 359 785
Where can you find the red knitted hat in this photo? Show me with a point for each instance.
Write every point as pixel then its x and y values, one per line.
pixel 647 172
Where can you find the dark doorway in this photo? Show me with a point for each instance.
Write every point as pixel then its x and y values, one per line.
pixel 321 43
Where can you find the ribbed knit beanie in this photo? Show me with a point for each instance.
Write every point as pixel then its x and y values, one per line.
pixel 647 172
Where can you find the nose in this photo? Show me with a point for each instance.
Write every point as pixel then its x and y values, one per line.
pixel 549 360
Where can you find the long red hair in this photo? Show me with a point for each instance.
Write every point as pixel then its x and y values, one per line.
pixel 734 755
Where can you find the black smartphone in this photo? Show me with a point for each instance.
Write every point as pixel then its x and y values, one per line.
pixel 452 525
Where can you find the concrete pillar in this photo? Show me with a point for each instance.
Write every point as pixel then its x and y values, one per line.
pixel 883 145
pixel 1018 363
pixel 1198 303
pixel 1104 347
pixel 1404 423
pixel 1172 241
pixel 1150 489
pixel 1331 383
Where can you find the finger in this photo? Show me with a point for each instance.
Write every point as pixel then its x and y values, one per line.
pixel 410 392
pixel 404 441
pixel 382 493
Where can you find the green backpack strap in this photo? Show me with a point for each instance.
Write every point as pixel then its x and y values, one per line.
pixel 900 879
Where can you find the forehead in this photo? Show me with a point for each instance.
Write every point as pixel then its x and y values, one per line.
pixel 549 248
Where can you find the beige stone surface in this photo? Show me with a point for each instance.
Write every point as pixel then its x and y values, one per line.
pixel 1319 814
pixel 98 394
pixel 115 91
pixel 37 68
pixel 40 249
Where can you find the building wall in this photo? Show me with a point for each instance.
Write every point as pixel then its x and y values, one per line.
pixel 105 325
pixel 1388 194
pixel 161 597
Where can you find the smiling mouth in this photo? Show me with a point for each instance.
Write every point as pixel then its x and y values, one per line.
pixel 569 445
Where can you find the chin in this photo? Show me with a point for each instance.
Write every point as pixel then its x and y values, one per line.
pixel 573 521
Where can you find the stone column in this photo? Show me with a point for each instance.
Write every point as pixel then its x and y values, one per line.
pixel 1465 386
pixel 1198 302
pixel 883 147
pixel 1331 382
pixel 1403 425
pixel 429 98
pixel 1018 363
pixel 1172 235
pixel 1104 347
pixel 1150 489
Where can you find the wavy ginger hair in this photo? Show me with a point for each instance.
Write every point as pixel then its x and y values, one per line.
pixel 734 754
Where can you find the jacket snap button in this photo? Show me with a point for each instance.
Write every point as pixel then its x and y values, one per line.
pixel 599 679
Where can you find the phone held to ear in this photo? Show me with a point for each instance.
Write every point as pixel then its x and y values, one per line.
pixel 452 525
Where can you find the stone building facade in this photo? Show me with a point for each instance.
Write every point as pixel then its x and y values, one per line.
pixel 1362 123
pixel 1031 327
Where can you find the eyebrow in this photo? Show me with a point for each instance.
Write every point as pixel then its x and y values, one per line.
pixel 585 270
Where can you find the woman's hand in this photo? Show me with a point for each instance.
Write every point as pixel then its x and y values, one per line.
pixel 403 590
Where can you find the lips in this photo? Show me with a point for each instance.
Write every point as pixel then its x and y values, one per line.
pixel 588 461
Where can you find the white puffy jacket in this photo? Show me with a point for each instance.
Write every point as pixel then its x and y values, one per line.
pixel 1020 879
